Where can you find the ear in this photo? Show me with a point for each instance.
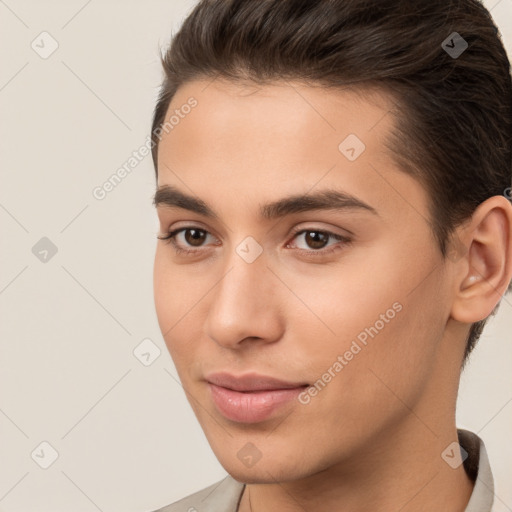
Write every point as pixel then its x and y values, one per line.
pixel 484 274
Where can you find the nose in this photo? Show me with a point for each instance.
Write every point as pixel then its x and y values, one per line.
pixel 244 308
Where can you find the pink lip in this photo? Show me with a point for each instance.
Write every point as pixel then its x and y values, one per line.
pixel 250 398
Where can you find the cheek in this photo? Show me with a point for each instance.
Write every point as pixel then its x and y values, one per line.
pixel 163 293
pixel 176 290
pixel 340 306
pixel 171 298
pixel 393 363
pixel 386 326
pixel 181 305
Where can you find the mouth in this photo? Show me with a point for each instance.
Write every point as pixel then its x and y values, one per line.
pixel 251 398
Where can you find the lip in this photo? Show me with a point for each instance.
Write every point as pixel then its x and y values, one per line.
pixel 250 382
pixel 251 398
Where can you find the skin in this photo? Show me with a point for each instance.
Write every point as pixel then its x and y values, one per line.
pixel 372 438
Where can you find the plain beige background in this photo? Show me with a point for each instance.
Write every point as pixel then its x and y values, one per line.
pixel 123 434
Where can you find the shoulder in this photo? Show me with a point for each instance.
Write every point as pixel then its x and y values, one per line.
pixel 222 496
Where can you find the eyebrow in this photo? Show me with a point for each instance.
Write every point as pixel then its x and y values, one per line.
pixel 327 199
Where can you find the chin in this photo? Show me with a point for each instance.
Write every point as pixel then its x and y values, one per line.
pixel 264 471
pixel 260 476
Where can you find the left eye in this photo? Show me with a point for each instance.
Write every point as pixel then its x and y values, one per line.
pixel 317 239
pixel 194 237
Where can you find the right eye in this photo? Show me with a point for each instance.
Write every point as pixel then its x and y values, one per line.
pixel 192 234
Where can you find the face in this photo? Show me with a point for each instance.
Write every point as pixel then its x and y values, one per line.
pixel 311 303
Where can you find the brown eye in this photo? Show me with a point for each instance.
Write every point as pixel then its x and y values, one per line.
pixel 194 237
pixel 316 239
pixel 316 242
pixel 187 240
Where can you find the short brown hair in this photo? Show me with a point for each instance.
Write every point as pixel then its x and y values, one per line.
pixel 454 124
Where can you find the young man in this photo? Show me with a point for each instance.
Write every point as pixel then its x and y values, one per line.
pixel 333 180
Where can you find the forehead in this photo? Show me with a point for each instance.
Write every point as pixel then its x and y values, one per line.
pixel 273 119
pixel 243 143
pixel 307 100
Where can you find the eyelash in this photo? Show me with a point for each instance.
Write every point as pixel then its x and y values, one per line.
pixel 170 239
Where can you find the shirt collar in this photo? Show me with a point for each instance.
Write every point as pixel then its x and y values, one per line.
pixel 479 471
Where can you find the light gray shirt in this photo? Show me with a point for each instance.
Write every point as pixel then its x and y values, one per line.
pixel 225 496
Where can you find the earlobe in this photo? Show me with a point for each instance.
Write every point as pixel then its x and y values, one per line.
pixel 487 269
